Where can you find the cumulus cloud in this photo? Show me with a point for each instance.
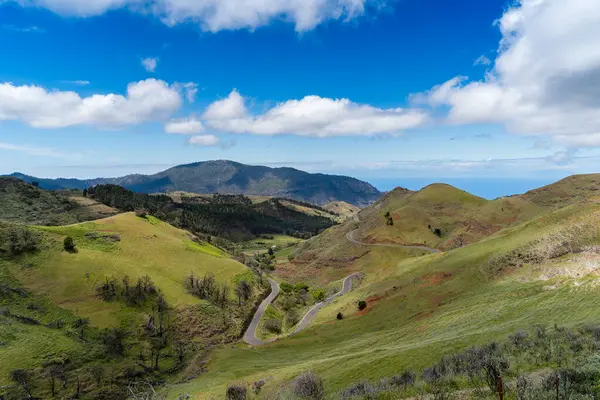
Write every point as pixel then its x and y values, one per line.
pixel 204 140
pixel 148 100
pixel 546 77
pixel 311 116
pixel 186 126
pixel 216 15
pixel 150 63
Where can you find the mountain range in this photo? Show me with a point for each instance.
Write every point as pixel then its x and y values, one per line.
pixel 222 176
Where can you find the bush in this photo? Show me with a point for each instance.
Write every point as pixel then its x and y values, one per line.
pixel 257 386
pixel 236 392
pixel 309 385
pixel 16 240
pixel 273 325
pixel 340 315
pixel 319 294
pixel 286 287
pixel 362 305
pixel 69 243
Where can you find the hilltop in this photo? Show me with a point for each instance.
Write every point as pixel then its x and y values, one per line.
pixel 230 177
pixel 25 203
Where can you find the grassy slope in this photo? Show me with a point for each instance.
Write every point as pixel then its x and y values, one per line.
pixel 65 283
pixel 342 208
pixel 24 203
pixel 462 217
pixel 419 308
pixel 147 246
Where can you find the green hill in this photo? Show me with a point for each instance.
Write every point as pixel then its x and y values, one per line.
pixel 58 309
pixel 23 202
pixel 420 308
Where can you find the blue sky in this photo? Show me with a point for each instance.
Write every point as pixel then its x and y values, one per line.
pixel 395 92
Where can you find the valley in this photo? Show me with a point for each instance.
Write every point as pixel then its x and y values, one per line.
pixel 437 271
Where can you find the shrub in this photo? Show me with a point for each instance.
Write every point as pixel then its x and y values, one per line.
pixel 407 378
pixel 273 325
pixel 362 305
pixel 236 392
pixel 319 294
pixel 286 287
pixel 290 257
pixel 340 315
pixel 69 243
pixel 257 386
pixel 309 385
pixel 16 240
pixel 291 318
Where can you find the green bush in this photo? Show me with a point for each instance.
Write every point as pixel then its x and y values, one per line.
pixel 362 305
pixel 286 287
pixel 319 294
pixel 69 243
pixel 273 325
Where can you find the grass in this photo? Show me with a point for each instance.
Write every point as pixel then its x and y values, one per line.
pixel 63 284
pixel 262 244
pixel 419 309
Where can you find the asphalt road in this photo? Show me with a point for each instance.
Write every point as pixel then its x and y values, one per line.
pixel 308 317
pixel 250 335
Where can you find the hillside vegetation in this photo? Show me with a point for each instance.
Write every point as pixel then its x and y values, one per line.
pixel 25 203
pixel 229 177
pixel 532 265
pixel 234 217
pixel 120 299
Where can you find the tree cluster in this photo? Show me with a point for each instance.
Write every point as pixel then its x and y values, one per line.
pixel 207 288
pixel 132 293
pixel 229 216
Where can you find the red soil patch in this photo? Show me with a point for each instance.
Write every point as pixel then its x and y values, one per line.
pixel 434 279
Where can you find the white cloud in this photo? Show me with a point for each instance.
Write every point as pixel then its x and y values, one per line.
pixel 37 151
pixel 187 126
pixel 148 100
pixel 216 15
pixel 546 78
pixel 150 63
pixel 482 60
pixel 311 116
pixel 232 107
pixel 189 88
pixel 204 140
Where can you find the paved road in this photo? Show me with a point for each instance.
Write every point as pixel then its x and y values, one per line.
pixel 308 317
pixel 350 237
pixel 250 335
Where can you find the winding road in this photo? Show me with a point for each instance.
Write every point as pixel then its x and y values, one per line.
pixel 250 335
pixel 308 317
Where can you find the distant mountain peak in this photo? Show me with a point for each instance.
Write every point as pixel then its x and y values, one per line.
pixel 230 177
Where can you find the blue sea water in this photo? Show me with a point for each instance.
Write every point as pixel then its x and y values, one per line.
pixel 487 188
